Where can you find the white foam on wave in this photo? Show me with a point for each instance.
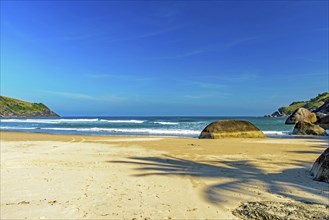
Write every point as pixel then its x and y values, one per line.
pixel 58 121
pixel 123 121
pixel 131 131
pixel 49 121
pixel 166 123
pixel 79 120
pixel 17 128
pixel 277 132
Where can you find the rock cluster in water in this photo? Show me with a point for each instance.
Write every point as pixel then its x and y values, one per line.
pixel 310 123
pixel 307 128
pixel 311 117
pixel 301 114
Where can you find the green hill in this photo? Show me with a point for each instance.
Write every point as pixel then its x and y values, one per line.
pixel 311 105
pixel 10 107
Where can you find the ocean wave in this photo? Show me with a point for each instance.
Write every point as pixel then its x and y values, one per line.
pixel 59 121
pixel 165 123
pixel 123 121
pixel 174 132
pixel 17 128
pixel 49 121
pixel 277 132
pixel 130 131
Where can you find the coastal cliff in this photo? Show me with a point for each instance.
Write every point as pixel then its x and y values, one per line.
pixel 15 108
pixel 318 104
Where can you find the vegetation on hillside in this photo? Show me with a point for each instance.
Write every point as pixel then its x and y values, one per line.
pixel 10 107
pixel 311 105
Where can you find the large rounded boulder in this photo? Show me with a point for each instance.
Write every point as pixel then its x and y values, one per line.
pixel 306 128
pixel 232 129
pixel 301 114
pixel 320 169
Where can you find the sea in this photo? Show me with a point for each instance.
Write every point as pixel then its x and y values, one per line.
pixel 137 126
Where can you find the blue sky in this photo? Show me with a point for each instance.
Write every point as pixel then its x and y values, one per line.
pixel 132 58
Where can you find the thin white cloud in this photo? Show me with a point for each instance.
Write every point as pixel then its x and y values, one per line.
pixel 228 77
pixel 81 96
pixel 240 41
pixel 239 77
pixel 77 37
pixel 314 74
pixel 25 35
pixel 197 96
pixel 321 29
pixel 215 86
pixel 98 76
pixel 146 34
pixel 203 96
pixel 72 95
pixel 124 77
pixel 9 27
pixel 178 56
pixel 312 60
pixel 111 98
pixel 205 49
pixel 155 33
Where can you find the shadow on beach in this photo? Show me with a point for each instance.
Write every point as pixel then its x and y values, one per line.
pixel 239 176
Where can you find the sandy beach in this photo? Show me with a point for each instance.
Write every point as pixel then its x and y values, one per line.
pixel 47 176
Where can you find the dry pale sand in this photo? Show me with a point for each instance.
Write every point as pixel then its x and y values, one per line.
pixel 75 177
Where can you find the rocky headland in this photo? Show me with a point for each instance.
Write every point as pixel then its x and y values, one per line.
pixel 310 117
pixel 319 105
pixel 15 108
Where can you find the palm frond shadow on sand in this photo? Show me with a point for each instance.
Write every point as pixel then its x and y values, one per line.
pixel 240 174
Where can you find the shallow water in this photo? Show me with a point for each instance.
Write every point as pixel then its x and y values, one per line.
pixel 137 126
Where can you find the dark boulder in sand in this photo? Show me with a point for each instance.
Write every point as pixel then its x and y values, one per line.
pixel 323 122
pixel 306 128
pixel 301 114
pixel 320 169
pixel 281 211
pixel 232 129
